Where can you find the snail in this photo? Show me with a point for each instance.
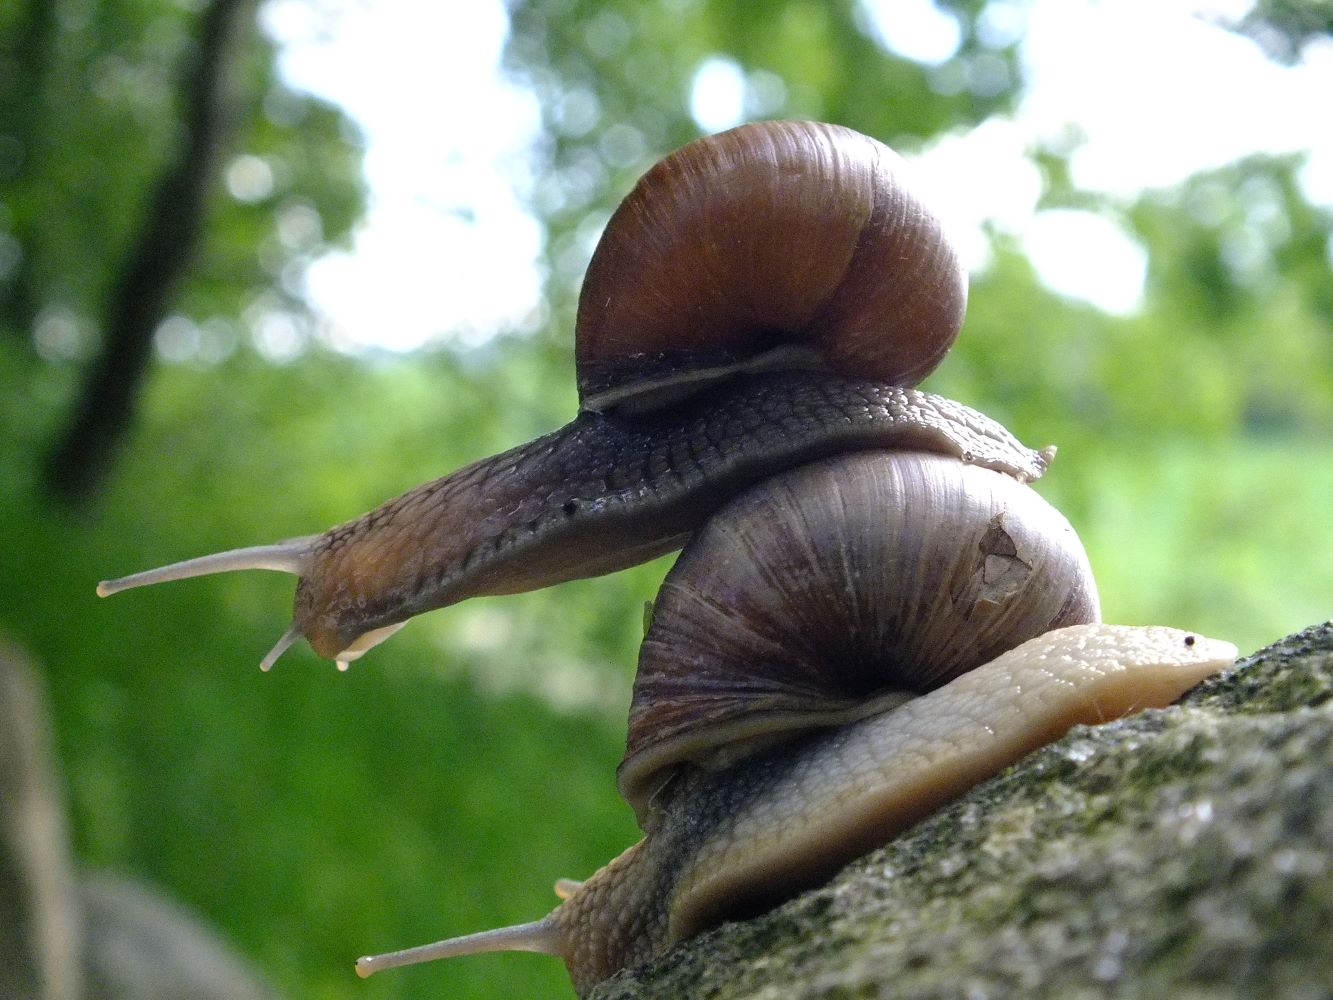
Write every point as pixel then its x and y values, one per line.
pixel 749 335
pixel 821 672
pixel 786 254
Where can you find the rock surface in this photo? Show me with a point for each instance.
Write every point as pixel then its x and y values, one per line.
pixel 1186 852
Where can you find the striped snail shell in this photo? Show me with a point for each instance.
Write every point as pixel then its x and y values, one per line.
pixel 775 245
pixel 838 590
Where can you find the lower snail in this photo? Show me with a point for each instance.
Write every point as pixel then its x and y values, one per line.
pixel 838 652
pixel 873 610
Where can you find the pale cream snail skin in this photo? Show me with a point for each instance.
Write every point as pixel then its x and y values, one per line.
pixel 868 583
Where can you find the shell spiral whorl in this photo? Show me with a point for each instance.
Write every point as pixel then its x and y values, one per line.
pixel 838 589
pixel 775 244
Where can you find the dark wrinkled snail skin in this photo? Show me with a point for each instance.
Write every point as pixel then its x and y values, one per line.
pixel 612 490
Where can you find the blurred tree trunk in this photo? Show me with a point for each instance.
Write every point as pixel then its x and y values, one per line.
pixel 154 265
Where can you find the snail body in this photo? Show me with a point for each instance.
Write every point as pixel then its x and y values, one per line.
pixel 779 821
pixel 600 494
pixel 872 612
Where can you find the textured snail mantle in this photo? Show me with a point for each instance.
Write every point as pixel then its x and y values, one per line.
pixel 873 611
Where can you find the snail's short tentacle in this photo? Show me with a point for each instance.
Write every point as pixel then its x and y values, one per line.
pixel 566 887
pixel 283 644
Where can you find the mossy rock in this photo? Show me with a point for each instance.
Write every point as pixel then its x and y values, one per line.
pixel 1186 852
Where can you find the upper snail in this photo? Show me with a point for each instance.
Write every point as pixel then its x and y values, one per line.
pixel 786 266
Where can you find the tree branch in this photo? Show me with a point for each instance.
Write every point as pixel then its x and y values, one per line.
pixel 153 268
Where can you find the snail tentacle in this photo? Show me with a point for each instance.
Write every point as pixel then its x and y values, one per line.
pixel 291 556
pixel 540 935
pixel 283 644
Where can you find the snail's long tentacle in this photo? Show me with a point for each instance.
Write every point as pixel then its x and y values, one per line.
pixel 291 556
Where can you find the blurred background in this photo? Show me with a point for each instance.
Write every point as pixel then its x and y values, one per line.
pixel 263 265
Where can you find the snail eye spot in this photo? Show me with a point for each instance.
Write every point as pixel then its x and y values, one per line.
pixel 1189 640
pixel 570 508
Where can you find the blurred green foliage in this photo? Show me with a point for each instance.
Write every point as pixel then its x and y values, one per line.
pixel 449 778
pixel 89 113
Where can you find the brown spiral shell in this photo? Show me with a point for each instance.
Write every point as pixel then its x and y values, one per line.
pixel 839 589
pixel 773 245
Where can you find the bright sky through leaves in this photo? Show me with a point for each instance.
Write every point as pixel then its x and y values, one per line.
pixel 1156 89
